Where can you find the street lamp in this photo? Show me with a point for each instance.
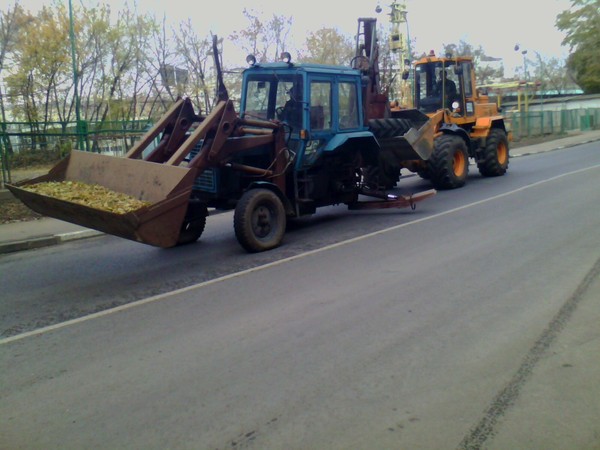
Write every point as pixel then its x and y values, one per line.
pixel 524 53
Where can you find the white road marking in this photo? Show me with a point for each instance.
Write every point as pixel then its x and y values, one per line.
pixel 156 298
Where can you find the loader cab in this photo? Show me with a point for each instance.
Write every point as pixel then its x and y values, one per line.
pixel 444 83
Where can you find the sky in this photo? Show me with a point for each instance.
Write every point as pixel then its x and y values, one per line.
pixel 495 25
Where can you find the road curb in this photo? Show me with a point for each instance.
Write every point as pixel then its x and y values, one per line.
pixel 46 241
pixel 559 147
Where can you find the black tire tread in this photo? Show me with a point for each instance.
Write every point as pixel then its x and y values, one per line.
pixel 440 164
pixel 242 220
pixel 488 163
pixel 388 128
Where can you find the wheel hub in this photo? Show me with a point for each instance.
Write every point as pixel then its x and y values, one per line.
pixel 261 222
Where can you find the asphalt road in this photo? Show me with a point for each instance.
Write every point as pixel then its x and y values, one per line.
pixel 469 323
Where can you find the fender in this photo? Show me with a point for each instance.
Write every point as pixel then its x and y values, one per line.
pixel 452 128
pixel 364 141
pixel 287 205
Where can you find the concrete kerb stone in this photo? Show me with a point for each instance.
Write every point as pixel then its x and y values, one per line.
pixel 29 244
pixel 46 241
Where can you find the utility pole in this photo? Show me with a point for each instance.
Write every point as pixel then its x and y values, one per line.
pixel 79 127
pixel 400 43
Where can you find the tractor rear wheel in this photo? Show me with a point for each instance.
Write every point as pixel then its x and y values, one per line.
pixel 449 162
pixel 493 158
pixel 377 177
pixel 193 224
pixel 259 220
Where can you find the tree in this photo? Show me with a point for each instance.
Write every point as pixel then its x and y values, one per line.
pixel 41 62
pixel 485 73
pixel 12 23
pixel 263 40
pixel 328 46
pixel 552 73
pixel 195 52
pixel 581 23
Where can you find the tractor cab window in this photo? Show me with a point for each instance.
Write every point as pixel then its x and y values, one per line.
pixel 274 97
pixel 320 105
pixel 348 108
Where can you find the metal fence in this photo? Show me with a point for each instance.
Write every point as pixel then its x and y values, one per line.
pixel 23 142
pixel 540 123
pixel 55 139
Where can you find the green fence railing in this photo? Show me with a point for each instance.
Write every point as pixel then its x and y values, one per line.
pixel 56 139
pixel 30 142
pixel 540 123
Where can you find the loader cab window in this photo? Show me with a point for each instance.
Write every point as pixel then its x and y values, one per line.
pixel 437 86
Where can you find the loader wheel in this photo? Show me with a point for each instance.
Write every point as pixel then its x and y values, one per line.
pixel 193 224
pixel 387 128
pixel 493 158
pixel 449 162
pixel 259 220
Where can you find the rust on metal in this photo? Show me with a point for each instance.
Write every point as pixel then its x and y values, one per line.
pixel 161 178
pixel 402 201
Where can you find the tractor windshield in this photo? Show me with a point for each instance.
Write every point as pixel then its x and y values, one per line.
pixel 436 86
pixel 274 96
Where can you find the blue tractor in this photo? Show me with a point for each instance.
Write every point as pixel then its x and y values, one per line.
pixel 307 136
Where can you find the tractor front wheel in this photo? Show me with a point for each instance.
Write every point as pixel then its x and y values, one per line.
pixel 193 224
pixel 259 220
pixel 448 165
pixel 493 158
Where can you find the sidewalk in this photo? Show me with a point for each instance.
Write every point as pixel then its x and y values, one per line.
pixel 44 232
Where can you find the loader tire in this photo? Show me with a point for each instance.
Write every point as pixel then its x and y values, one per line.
pixel 193 224
pixel 387 128
pixel 449 162
pixel 493 158
pixel 259 220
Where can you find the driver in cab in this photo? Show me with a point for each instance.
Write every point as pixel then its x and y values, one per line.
pixel 291 112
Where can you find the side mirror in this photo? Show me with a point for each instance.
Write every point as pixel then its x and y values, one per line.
pixel 405 75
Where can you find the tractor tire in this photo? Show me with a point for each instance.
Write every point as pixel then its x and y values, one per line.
pixel 493 158
pixel 449 163
pixel 387 128
pixel 378 178
pixel 193 224
pixel 259 220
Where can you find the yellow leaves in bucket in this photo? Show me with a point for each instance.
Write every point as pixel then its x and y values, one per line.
pixel 91 195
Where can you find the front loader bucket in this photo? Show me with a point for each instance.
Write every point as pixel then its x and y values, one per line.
pixel 407 135
pixel 167 188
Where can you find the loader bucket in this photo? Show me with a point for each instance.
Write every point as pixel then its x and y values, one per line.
pixel 407 135
pixel 167 188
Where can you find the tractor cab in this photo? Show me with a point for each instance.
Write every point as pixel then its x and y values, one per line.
pixel 317 104
pixel 445 83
